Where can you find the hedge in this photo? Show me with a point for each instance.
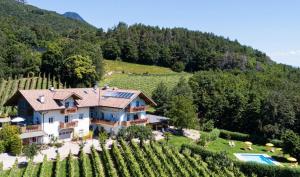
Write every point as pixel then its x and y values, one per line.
pixel 267 170
pixel 234 135
pixel 248 168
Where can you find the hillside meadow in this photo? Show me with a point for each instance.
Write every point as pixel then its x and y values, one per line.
pixel 141 77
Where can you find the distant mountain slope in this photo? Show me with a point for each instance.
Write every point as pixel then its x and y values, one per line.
pixel 74 15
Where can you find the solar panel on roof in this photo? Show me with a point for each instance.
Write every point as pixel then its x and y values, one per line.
pixel 119 94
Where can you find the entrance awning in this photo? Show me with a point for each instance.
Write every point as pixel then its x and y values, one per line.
pixel 32 134
pixel 154 119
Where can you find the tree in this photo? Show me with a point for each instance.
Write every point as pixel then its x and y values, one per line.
pixel 182 112
pixel 178 66
pixel 30 151
pixel 111 49
pixel 6 134
pixel 291 143
pixel 129 51
pixel 79 71
pixel 182 88
pixel 136 131
pixel 161 97
pixel 52 60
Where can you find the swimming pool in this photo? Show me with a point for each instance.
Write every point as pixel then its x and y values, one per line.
pixel 259 158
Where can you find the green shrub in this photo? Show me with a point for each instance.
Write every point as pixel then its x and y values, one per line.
pixel 206 137
pixel 15 145
pixel 30 150
pixel 207 125
pixel 291 143
pixel 2 148
pixel 249 168
pixel 276 142
pixel 234 135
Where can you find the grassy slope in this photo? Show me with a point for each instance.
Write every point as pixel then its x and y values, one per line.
pixel 141 77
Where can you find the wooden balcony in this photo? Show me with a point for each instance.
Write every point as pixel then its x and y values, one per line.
pixel 104 122
pixel 31 128
pixel 137 109
pixel 71 124
pixel 71 110
pixel 135 122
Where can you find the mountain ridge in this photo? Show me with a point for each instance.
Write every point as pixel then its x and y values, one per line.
pixel 73 15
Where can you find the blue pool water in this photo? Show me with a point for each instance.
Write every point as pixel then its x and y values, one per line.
pixel 258 158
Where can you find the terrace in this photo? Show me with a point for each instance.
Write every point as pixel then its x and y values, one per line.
pixel 137 109
pixel 104 122
pixel 67 125
pixel 30 128
pixel 135 122
pixel 71 110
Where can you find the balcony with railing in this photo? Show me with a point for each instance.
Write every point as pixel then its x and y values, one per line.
pixel 30 128
pixel 137 108
pixel 70 110
pixel 68 125
pixel 104 122
pixel 135 122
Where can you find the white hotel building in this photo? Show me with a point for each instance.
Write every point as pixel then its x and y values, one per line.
pixel 66 113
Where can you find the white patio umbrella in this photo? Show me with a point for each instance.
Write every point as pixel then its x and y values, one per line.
pixel 17 119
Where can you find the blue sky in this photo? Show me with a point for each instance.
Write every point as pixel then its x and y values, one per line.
pixel 272 26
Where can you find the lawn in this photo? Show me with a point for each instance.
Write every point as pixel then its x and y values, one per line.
pixel 222 145
pixel 177 141
pixel 120 66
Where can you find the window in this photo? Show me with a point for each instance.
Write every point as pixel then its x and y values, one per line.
pixel 51 120
pixel 81 116
pixel 50 136
pixel 128 117
pixel 66 119
pixel 102 115
pixel 137 103
pixel 67 104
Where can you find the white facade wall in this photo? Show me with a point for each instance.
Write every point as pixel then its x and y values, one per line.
pixel 52 129
pixel 119 115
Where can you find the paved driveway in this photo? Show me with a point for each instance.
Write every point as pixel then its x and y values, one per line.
pixel 72 147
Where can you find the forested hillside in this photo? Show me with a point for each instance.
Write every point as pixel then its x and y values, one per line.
pixel 262 103
pixel 34 40
pixel 179 48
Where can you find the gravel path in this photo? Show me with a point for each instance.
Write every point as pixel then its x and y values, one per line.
pixel 73 147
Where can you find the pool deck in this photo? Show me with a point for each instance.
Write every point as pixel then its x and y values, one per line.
pixel 241 157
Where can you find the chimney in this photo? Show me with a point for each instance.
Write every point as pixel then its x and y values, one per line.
pixel 42 99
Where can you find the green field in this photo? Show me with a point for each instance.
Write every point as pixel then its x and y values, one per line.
pixel 124 67
pixel 140 77
pixel 122 160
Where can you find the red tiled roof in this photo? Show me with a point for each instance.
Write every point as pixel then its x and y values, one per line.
pixel 85 97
